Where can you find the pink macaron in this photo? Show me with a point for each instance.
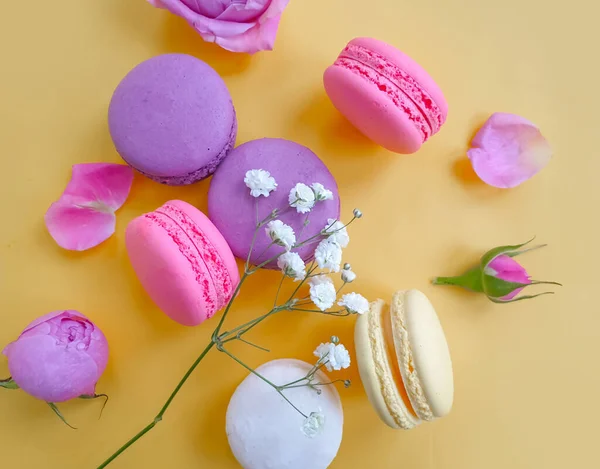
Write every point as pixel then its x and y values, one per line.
pixel 386 95
pixel 182 261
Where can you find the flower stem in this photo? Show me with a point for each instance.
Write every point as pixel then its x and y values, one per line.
pixel 160 415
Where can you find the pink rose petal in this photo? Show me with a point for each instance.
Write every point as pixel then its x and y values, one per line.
pixel 506 268
pixel 247 27
pixel 84 216
pixel 508 150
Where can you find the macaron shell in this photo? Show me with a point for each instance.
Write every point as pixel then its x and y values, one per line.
pixel 233 210
pixel 172 119
pixel 376 370
pixel 265 432
pixel 407 64
pixel 423 354
pixel 371 111
pixel 216 238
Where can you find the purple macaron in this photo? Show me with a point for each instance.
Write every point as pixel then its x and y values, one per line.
pixel 172 119
pixel 232 209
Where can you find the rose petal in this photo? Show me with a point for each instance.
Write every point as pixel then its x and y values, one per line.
pixel 51 373
pixel 508 150
pixel 260 37
pixel 236 28
pixel 508 269
pixel 248 12
pixel 78 228
pixel 84 215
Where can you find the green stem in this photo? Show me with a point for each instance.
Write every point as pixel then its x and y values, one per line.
pixel 160 415
pixel 274 386
pixel 278 290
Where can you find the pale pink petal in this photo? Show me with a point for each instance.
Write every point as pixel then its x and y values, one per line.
pixel 84 216
pixel 105 183
pixel 249 27
pixel 508 150
pixel 78 228
pixel 508 269
pixel 260 37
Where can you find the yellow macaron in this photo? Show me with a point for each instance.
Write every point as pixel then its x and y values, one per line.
pixel 404 360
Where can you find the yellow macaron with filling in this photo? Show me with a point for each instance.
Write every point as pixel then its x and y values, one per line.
pixel 404 360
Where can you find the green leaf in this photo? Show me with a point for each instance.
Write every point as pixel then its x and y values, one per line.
pixel 60 416
pixel 8 384
pixel 97 396
pixel 520 298
pixel 518 253
pixel 471 280
pixel 492 254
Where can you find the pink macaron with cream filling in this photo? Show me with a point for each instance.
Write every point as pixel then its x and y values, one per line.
pixel 386 95
pixel 183 262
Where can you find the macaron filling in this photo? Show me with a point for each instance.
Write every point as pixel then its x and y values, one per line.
pixel 209 269
pixel 201 173
pixel 388 335
pixel 387 371
pixel 410 376
pixel 404 91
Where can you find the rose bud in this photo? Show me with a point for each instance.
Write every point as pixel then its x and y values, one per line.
pixel 58 357
pixel 498 276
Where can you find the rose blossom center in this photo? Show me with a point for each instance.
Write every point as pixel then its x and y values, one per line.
pixel 235 10
pixel 73 333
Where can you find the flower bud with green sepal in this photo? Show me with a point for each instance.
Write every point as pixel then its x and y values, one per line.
pixel 498 275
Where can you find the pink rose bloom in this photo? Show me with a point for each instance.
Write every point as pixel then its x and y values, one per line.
pixel 236 25
pixel 58 357
pixel 506 268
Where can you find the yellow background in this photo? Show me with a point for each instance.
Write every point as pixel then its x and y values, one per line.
pixel 526 376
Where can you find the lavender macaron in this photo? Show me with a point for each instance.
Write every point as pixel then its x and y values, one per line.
pixel 172 119
pixel 232 209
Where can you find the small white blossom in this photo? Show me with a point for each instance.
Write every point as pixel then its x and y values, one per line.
pixel 322 292
pixel 313 425
pixel 354 303
pixel 292 265
pixel 321 193
pixel 357 213
pixel 329 255
pixel 260 182
pixel 302 198
pixel 335 357
pixel 348 276
pixel 281 234
pixel 337 232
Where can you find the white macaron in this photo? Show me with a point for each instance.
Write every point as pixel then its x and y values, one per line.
pixel 265 432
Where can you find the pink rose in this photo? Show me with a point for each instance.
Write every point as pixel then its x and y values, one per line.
pixel 58 357
pixel 236 25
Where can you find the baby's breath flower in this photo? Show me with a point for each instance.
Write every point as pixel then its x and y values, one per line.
pixel 321 193
pixel 281 234
pixel 302 198
pixel 357 213
pixel 335 357
pixel 292 265
pixel 336 231
pixel 313 424
pixel 260 182
pixel 322 292
pixel 329 255
pixel 354 303
pixel 348 276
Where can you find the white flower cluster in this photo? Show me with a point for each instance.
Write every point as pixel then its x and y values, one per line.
pixel 292 265
pixel 313 424
pixel 333 356
pixel 281 234
pixel 260 182
pixel 303 197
